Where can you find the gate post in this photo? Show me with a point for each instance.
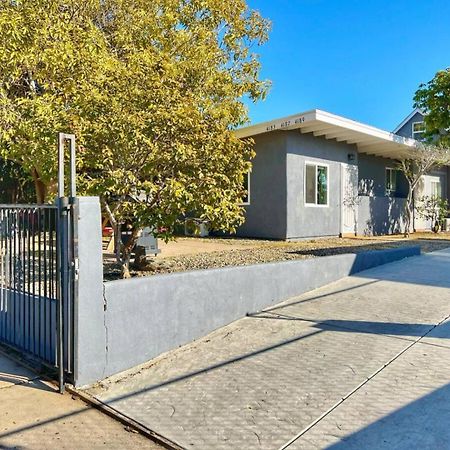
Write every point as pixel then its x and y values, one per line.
pixel 90 334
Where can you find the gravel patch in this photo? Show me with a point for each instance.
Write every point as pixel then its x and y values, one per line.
pixel 270 251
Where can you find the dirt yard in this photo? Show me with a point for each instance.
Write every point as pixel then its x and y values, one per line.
pixel 205 253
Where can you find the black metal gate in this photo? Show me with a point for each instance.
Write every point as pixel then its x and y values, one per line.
pixel 37 262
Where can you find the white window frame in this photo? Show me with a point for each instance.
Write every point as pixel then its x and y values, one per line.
pixel 413 133
pixel 387 191
pixel 316 164
pixel 247 203
pixel 436 182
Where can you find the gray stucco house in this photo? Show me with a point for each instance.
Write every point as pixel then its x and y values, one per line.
pixel 318 174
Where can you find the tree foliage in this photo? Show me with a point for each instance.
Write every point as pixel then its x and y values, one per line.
pixel 434 209
pixel 434 99
pixel 49 54
pixel 15 185
pixel 152 90
pixel 421 159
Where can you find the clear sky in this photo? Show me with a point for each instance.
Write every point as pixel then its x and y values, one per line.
pixel 362 59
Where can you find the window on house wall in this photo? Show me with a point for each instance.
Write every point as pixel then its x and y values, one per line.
pixel 316 184
pixel 418 130
pixel 436 189
pixel 246 187
pixel 391 181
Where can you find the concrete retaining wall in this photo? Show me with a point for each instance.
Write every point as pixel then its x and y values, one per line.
pixel 145 317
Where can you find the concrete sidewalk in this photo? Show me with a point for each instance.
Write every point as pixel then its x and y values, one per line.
pixel 33 415
pixel 361 363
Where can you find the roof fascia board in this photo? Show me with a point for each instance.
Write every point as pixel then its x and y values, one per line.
pixel 284 123
pixel 320 121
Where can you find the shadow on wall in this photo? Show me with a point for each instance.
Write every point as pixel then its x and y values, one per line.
pixel 381 215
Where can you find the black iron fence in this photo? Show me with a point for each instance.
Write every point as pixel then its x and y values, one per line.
pixel 36 305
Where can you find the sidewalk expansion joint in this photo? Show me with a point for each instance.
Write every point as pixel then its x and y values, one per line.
pixel 359 386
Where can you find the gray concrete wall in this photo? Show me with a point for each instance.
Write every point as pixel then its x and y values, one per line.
pixel 380 215
pixel 145 317
pixel 406 129
pixel 265 217
pixel 90 339
pixel 311 221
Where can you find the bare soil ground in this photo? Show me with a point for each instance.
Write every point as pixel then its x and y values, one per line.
pixel 186 254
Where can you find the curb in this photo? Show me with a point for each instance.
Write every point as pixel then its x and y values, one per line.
pixel 125 420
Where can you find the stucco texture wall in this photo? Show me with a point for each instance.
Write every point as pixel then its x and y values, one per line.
pixel 265 216
pixel 145 317
pixel 311 221
pixel 372 176
pixel 380 215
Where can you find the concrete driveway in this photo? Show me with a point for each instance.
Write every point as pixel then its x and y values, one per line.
pixel 363 363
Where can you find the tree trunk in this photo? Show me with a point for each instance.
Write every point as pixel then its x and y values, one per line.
pixel 408 215
pixel 40 187
pixel 117 230
pixel 126 253
pixel 408 208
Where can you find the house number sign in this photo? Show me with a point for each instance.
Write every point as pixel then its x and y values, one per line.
pixel 285 124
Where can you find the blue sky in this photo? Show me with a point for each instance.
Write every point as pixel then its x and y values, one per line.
pixel 356 58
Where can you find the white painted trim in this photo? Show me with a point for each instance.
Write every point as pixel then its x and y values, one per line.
pixel 416 132
pixel 438 182
pixel 410 116
pixel 316 164
pixel 366 137
pixel 387 192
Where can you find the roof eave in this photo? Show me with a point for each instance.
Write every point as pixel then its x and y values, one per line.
pixel 368 139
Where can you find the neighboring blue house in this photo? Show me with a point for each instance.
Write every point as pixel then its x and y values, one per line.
pixel 317 174
pixel 413 126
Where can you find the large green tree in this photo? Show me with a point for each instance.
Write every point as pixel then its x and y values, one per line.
pixel 49 55
pixel 153 91
pixel 434 99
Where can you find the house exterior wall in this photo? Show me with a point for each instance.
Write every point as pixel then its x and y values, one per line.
pixel 277 208
pixel 379 213
pixel 406 129
pixel 372 176
pixel 312 221
pixel 425 189
pixel 266 215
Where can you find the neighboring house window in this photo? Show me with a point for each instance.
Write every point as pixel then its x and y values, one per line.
pixel 246 187
pixel 418 129
pixel 316 184
pixel 391 181
pixel 436 189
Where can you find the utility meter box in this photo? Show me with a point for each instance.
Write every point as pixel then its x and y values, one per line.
pixel 149 242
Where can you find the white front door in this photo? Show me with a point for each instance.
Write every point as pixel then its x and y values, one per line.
pixel 349 198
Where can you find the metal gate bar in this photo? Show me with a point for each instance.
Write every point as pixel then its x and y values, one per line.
pixel 29 279
pixel 37 274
